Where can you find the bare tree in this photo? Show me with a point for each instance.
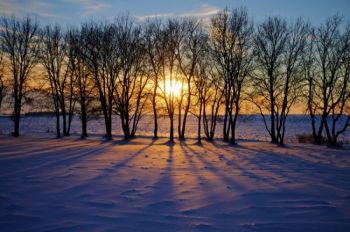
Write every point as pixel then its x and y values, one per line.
pixel 208 94
pixel 53 57
pixel 155 59
pixel 83 81
pixel 169 69
pixel 329 85
pixel 270 43
pixel 278 79
pixel 191 46
pixel 340 97
pixel 212 96
pixel 130 97
pixel 309 72
pixel 20 46
pixel 231 35
pixel 295 47
pixel 101 55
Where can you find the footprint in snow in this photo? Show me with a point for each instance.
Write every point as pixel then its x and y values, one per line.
pixel 230 162
pixel 133 193
pixel 204 227
pixel 162 205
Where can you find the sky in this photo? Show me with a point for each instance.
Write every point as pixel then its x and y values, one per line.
pixel 72 12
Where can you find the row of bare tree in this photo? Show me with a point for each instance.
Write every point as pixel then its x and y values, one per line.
pixel 129 69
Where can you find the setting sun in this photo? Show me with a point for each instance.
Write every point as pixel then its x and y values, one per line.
pixel 171 87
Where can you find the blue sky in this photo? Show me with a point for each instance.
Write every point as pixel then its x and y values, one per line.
pixel 76 11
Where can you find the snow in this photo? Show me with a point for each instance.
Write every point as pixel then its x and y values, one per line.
pixel 70 184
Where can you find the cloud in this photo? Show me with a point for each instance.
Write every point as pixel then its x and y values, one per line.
pixel 145 17
pixel 90 6
pixel 204 11
pixel 36 7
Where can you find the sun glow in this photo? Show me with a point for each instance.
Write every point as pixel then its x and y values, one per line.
pixel 172 87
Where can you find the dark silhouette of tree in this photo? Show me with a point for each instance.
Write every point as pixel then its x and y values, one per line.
pixel 295 47
pixel 83 84
pixel 328 80
pixel 211 94
pixel 309 74
pixel 277 79
pixel 130 96
pixel 53 58
pixel 19 42
pixel 270 43
pixel 155 59
pixel 191 46
pixel 231 35
pixel 169 70
pixel 101 56
pixel 208 94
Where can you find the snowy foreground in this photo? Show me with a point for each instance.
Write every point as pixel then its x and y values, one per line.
pixel 145 185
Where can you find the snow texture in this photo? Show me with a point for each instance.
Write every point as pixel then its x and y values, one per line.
pixel 149 185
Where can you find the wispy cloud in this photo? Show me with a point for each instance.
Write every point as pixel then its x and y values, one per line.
pixel 36 7
pixel 90 6
pixel 205 11
pixel 145 17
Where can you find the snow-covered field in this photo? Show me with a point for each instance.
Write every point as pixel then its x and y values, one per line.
pixel 249 127
pixel 146 185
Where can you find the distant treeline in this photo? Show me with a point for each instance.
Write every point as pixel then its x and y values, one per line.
pixel 179 67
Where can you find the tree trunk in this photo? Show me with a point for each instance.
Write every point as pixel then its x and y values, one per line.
pixel 15 111
pixel 272 117
pixel 64 118
pixel 233 126
pixel 179 120
pixel 83 120
pixel 155 118
pixel 155 113
pixel 58 129
pixel 199 137
pixel 186 110
pixel 109 130
pixel 171 137
pixel 225 135
pixel 16 123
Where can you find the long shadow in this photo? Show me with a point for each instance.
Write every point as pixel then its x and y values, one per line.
pixel 251 169
pixel 52 158
pixel 288 158
pixel 22 149
pixel 215 170
pixel 193 168
pixel 236 164
pixel 160 201
pixel 111 170
pixel 286 166
pixel 132 157
pixel 292 169
pixel 166 173
pixel 203 185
